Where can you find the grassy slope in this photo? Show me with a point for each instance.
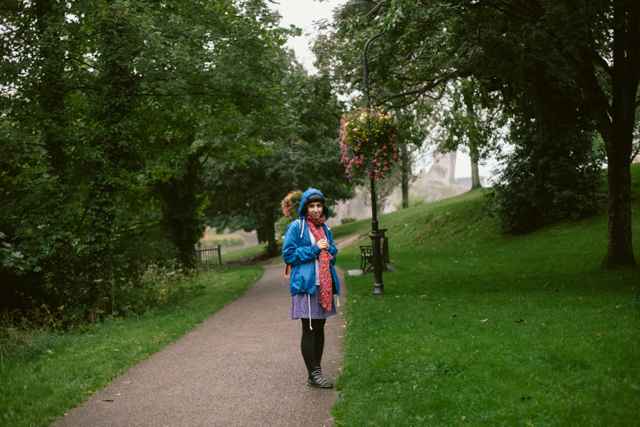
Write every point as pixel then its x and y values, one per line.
pixel 47 374
pixel 573 358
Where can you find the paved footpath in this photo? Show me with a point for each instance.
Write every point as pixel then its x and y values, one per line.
pixel 240 367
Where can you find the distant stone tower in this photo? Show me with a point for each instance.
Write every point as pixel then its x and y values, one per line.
pixel 442 172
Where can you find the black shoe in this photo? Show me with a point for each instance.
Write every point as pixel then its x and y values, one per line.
pixel 318 380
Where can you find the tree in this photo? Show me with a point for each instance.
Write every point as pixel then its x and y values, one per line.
pixel 109 109
pixel 554 171
pixel 250 191
pixel 472 122
pixel 591 46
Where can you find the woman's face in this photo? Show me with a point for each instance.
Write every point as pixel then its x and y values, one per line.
pixel 314 210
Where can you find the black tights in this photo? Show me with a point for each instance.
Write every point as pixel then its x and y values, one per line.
pixel 312 343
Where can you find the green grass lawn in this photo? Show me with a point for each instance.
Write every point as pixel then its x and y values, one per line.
pixel 43 375
pixel 491 330
pixel 259 250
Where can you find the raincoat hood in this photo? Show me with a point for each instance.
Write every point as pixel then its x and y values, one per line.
pixel 306 195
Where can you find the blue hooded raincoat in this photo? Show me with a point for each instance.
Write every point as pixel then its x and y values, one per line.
pixel 298 252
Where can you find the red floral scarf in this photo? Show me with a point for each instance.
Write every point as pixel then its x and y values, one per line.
pixel 326 282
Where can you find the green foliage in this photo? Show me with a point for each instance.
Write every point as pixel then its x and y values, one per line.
pixel 291 204
pixel 502 48
pixel 109 110
pixel 472 121
pixel 555 323
pixel 247 194
pixel 347 219
pixel 523 202
pixel 252 190
pixel 554 171
pixel 282 224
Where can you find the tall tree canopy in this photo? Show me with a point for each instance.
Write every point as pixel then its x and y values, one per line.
pixel 250 192
pixel 109 110
pixel 581 47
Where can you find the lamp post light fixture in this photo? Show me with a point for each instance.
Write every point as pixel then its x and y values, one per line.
pixel 363 7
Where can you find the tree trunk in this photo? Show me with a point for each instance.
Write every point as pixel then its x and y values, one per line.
pixel 181 201
pixel 472 136
pixel 262 235
pixel 618 142
pixel 619 244
pixel 618 136
pixel 269 231
pixel 49 20
pixel 112 141
pixel 475 175
pixel 405 168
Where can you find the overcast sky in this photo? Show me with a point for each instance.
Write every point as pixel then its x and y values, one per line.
pixel 302 14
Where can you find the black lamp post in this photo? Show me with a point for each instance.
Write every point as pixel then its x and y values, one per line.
pixel 363 7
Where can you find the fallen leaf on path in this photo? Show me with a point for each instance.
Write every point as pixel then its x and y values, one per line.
pixel 463 418
pixel 415 386
pixel 455 314
pixel 107 400
pixel 127 382
pixel 484 320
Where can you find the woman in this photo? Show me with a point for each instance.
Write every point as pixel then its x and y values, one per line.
pixel 308 248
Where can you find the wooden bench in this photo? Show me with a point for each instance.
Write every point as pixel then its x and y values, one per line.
pixel 366 255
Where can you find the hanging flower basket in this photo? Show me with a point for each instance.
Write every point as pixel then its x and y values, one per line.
pixel 291 203
pixel 368 140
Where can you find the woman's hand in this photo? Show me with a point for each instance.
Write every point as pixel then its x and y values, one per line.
pixel 323 244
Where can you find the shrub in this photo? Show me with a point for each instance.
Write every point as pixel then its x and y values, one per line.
pixel 348 219
pixel 544 182
pixel 291 203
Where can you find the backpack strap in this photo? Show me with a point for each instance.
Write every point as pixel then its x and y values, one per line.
pixel 301 227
